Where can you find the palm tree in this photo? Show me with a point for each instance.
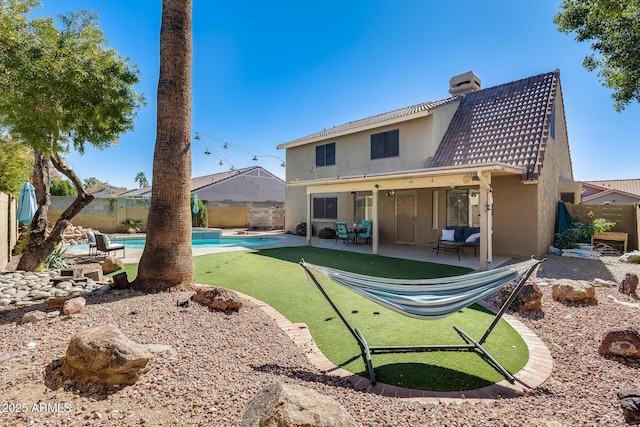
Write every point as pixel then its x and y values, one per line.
pixel 167 261
pixel 141 179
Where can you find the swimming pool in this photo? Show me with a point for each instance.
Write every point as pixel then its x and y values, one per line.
pixel 222 242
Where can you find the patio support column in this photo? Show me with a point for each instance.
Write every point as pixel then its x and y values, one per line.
pixel 375 224
pixel 309 228
pixel 486 225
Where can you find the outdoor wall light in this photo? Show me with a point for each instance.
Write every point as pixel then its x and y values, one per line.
pixel 377 185
pixel 475 177
pixel 313 170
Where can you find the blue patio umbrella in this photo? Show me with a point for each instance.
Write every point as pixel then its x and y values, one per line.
pixel 27 204
pixel 196 208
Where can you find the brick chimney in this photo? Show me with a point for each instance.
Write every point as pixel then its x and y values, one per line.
pixel 464 83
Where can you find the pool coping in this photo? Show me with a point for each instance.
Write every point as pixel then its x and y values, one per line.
pixel 537 370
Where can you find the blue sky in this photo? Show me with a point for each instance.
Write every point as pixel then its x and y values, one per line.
pixel 265 73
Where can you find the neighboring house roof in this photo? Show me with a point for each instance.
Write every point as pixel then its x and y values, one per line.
pixel 508 123
pixel 402 114
pixel 205 181
pixel 108 191
pixel 627 187
pixel 138 192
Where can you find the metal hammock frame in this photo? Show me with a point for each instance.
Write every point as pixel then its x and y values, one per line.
pixel 414 298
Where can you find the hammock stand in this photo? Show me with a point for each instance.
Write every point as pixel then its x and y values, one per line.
pixel 379 293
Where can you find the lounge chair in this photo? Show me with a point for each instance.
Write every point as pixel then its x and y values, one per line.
pixel 343 233
pixel 104 244
pixel 93 246
pixel 428 299
pixel 365 230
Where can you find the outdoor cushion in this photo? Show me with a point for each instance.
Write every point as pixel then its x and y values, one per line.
pixel 458 232
pixel 448 235
pixel 468 231
pixel 472 238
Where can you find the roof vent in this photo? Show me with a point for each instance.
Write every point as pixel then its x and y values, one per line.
pixel 464 83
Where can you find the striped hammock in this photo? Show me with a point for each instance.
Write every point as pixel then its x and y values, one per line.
pixel 427 298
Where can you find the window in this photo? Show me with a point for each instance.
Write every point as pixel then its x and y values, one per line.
pixel 326 154
pixel 385 144
pixel 462 208
pixel 325 207
pixel 363 206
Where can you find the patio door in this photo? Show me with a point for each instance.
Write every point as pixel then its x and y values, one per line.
pixel 406 218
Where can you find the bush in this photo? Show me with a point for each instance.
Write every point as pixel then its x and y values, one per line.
pixel 301 229
pixel 327 233
pixel 58 259
pixel 578 231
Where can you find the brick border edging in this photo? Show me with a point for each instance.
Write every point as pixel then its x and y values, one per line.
pixel 537 370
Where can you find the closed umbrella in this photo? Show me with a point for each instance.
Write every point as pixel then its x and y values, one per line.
pixel 27 204
pixel 196 208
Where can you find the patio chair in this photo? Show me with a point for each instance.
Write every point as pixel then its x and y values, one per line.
pixel 365 231
pixel 104 244
pixel 343 233
pixel 93 247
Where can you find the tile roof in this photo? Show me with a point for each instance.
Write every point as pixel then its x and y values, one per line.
pixel 378 120
pixel 630 186
pixel 508 123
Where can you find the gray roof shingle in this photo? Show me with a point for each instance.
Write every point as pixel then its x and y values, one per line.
pixel 508 123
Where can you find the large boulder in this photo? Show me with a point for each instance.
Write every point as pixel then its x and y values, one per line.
pixel 529 299
pixel 623 341
pixel 573 291
pixel 629 284
pixel 112 264
pixel 103 355
pixel 286 405
pixel 630 405
pixel 217 298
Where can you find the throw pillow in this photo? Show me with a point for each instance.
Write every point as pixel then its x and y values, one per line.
pixel 473 237
pixel 448 235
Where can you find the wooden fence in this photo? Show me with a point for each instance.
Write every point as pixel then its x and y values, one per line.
pixel 8 228
pixel 626 217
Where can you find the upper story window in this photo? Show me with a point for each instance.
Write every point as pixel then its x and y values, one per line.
pixel 326 154
pixel 385 144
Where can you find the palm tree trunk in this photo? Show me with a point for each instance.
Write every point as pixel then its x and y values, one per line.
pixel 167 261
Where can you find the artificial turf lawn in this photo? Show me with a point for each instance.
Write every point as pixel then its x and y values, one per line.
pixel 274 276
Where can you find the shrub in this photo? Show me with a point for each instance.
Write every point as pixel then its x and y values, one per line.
pixel 301 229
pixel 327 233
pixel 57 259
pixel 133 225
pixel 578 231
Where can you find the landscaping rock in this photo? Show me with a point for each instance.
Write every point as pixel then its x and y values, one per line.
pixel 623 341
pixel 102 354
pixel 573 291
pixel 111 265
pixel 286 405
pixel 73 305
pixel 217 298
pixel 529 299
pixel 630 405
pixel 629 284
pixel 33 316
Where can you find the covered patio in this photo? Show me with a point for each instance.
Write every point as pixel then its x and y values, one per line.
pixel 410 189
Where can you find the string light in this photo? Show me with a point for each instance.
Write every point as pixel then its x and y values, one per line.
pixel 226 145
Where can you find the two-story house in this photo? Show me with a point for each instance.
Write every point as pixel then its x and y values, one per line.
pixel 495 158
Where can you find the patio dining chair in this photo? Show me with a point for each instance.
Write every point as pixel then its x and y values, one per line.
pixel 93 246
pixel 104 244
pixel 365 231
pixel 343 233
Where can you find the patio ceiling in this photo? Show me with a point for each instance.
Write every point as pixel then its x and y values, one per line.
pixel 422 178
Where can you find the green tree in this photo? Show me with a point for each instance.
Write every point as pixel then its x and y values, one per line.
pixel 613 29
pixel 62 188
pixel 60 88
pixel 141 179
pixel 93 184
pixel 167 260
pixel 15 165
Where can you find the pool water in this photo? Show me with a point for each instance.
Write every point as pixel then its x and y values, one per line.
pixel 223 242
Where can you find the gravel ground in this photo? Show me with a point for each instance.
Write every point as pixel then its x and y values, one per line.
pixel 218 362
